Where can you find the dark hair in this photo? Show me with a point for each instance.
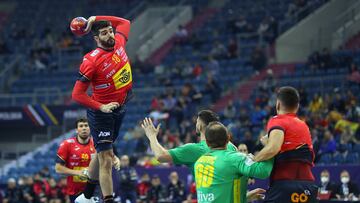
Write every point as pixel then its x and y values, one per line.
pixel 81 120
pixel 289 97
pixel 208 116
pixel 97 25
pixel 216 135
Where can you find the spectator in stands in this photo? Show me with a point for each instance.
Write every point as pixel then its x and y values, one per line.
pixel 257 116
pixel 232 49
pixel 316 104
pixel 12 193
pixel 325 59
pixel 156 191
pixel 327 186
pixel 338 103
pixel 212 88
pixel 347 190
pixel 314 61
pixel 244 117
pixel 128 180
pixel 354 76
pixel 239 25
pixel 303 97
pixel 353 112
pixel 328 145
pixel 41 188
pixel 243 148
pixel 181 34
pixel 56 195
pixel 249 141
pixel 27 190
pixel 315 142
pixel 218 51
pixel 263 27
pixel 175 189
pixel 348 137
pixel 45 172
pixel 143 188
pixel 197 71
pixel 230 111
pixel 258 59
pixel 212 66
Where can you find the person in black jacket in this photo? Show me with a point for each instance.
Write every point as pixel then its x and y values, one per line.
pixel 128 181
pixel 347 190
pixel 156 191
pixel 326 185
pixel 175 189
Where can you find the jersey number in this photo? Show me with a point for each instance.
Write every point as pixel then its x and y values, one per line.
pixel 204 175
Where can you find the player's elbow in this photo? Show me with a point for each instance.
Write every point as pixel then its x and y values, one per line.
pixel 164 158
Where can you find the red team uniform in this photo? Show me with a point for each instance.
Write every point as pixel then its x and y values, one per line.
pixel 76 156
pixel 291 176
pixel 109 73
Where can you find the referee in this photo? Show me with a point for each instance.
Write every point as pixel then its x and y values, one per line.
pixel 289 141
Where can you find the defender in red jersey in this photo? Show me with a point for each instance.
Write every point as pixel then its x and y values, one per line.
pixel 289 141
pixel 73 158
pixel 108 71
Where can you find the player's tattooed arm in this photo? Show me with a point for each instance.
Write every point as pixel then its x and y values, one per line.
pixel 161 154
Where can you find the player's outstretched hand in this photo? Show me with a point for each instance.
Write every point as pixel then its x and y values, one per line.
pixel 149 128
pixel 108 108
pixel 90 21
pixel 255 194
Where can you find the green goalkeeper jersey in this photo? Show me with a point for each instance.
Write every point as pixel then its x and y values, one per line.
pixel 218 176
pixel 189 153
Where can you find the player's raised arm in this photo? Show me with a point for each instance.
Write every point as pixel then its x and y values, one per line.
pixel 122 25
pixel 161 154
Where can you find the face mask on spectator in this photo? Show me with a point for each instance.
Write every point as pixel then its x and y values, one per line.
pixel 324 179
pixel 344 179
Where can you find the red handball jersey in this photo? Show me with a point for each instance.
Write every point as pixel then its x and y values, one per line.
pixel 108 71
pixel 295 159
pixel 76 156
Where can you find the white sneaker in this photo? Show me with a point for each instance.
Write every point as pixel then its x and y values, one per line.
pixel 82 199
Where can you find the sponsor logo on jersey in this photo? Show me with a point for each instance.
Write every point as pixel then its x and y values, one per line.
pixel 94 53
pixel 111 73
pixel 106 66
pixel 205 197
pixel 102 86
pixel 104 134
pixel 303 197
pixel 123 76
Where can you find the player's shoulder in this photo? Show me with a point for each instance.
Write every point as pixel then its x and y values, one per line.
pixel 67 142
pixel 92 56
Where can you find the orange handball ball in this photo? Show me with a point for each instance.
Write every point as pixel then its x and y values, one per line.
pixel 78 26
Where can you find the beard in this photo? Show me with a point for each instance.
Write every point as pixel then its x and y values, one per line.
pixel 110 43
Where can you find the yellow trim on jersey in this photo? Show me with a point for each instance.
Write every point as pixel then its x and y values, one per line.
pixel 237 185
pixel 123 76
